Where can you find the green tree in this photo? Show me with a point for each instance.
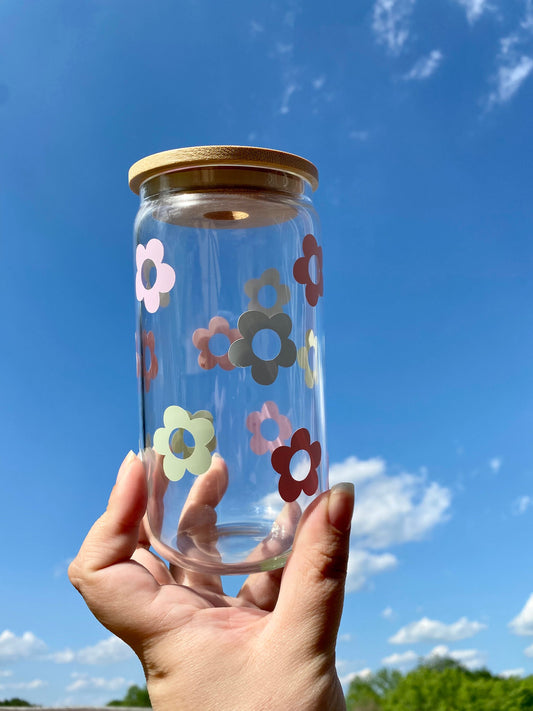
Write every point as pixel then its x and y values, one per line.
pixel 440 685
pixel 15 702
pixel 368 694
pixel 135 696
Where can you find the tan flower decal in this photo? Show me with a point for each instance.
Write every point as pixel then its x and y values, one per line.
pixel 270 277
pixel 311 341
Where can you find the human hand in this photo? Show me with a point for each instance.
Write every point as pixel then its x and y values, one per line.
pixel 271 648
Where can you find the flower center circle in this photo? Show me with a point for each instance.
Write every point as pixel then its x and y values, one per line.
pixel 147 356
pixel 149 273
pixel 311 358
pixel 219 344
pixel 267 296
pixel 180 442
pixel 266 344
pixel 269 429
pixel 300 465
pixel 314 269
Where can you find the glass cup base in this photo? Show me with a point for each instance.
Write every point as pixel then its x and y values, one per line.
pixel 236 549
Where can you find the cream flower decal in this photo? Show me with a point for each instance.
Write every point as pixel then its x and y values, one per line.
pixel 270 277
pixel 148 258
pixel 241 353
pixel 177 442
pixel 201 429
pixel 311 341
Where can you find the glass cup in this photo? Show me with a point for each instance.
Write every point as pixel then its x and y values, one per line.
pixel 230 347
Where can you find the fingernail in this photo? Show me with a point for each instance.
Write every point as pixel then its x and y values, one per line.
pixel 340 506
pixel 130 456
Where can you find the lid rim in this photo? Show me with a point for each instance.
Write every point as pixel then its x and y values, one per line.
pixel 210 156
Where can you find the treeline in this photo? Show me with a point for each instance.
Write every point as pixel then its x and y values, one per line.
pixel 442 685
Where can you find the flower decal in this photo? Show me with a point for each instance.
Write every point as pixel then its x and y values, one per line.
pixel 147 258
pixel 177 443
pixel 313 287
pixel 311 341
pixel 289 487
pixel 201 338
pixel 241 353
pixel 269 411
pixel 201 429
pixel 269 277
pixel 148 343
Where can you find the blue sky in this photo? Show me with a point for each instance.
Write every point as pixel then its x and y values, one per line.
pixel 418 116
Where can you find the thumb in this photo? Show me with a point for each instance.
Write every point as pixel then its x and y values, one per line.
pixel 312 589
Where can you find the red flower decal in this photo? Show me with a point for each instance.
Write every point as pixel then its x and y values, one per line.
pixel 289 487
pixel 313 287
pixel 148 342
pixel 202 336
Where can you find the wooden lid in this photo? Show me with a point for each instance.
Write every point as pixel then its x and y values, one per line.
pixel 204 156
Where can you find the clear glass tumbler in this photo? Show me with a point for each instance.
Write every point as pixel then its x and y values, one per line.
pixel 229 285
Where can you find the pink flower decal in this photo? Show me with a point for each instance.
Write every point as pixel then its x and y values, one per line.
pixel 289 487
pixel 147 258
pixel 202 336
pixel 313 287
pixel 269 411
pixel 148 343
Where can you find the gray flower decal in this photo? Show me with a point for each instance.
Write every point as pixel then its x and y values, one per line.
pixel 241 352
pixel 270 277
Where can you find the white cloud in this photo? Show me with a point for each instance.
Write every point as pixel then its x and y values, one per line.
pixel 495 464
pixel 6 672
pixel 83 682
pixel 528 651
pixel 474 8
pixel 521 505
pixel 108 651
pixel 27 685
pixel 513 64
pixel 362 565
pixel 470 658
pixel 390 22
pixel 356 470
pixel 64 657
pixel 387 613
pixel 287 93
pixel 425 66
pixel 319 82
pixel 509 673
pixel 400 659
pixel 13 647
pixel 397 509
pixel 359 135
pixel 426 630
pixel 522 624
pixel 361 674
pixel 389 510
pixel 256 27
pixel 345 637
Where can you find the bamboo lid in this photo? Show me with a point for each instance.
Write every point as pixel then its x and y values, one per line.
pixel 210 156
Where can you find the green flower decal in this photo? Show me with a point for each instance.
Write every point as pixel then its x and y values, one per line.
pixel 311 341
pixel 169 442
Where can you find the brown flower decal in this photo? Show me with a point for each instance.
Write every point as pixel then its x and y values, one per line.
pixel 201 338
pixel 313 287
pixel 148 343
pixel 289 487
